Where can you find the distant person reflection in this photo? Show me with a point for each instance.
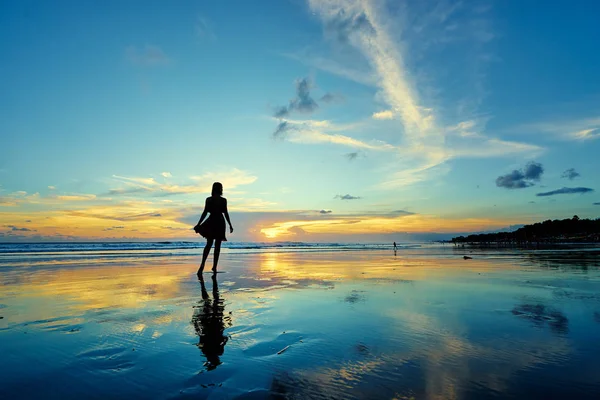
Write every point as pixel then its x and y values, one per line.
pixel 210 323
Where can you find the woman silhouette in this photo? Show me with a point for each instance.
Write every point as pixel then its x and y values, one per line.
pixel 213 229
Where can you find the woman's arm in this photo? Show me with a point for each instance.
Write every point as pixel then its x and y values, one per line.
pixel 227 217
pixel 203 213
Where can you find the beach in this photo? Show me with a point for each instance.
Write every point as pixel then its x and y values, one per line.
pixel 288 322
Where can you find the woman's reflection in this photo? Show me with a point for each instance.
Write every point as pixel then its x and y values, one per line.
pixel 210 323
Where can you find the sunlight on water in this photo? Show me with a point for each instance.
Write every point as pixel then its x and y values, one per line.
pixel 293 325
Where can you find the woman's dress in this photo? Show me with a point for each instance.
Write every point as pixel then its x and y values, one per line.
pixel 214 226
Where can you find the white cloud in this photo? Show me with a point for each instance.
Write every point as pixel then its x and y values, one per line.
pixel 574 129
pixel 166 174
pixel 387 114
pixel 426 140
pixel 592 133
pixel 52 187
pixel 315 131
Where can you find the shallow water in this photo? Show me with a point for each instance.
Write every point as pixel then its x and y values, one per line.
pixel 360 324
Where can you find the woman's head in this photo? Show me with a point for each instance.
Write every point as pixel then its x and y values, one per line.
pixel 217 189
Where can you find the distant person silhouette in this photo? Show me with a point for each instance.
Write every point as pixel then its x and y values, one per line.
pixel 210 323
pixel 395 247
pixel 213 229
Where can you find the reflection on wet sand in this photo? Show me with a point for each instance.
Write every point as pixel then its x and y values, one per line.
pixel 354 325
pixel 210 322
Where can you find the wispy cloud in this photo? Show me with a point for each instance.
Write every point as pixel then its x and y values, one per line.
pixel 346 197
pixel 365 27
pixel 351 156
pixel 570 174
pixel 581 129
pixel 566 190
pixel 315 131
pixel 148 55
pixel 387 114
pixel 199 184
pixel 204 29
pixel 166 174
pixel 331 98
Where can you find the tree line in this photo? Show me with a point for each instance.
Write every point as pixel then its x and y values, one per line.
pixel 550 231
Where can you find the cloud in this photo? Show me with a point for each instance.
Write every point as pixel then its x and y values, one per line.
pixel 281 112
pixel 325 212
pixel 76 197
pixel 333 67
pixel 115 216
pixel 204 29
pixel 282 128
pixel 519 179
pixel 575 129
pixel 346 197
pixel 343 24
pixel 387 114
pixel 303 102
pixel 52 187
pixel 167 174
pixel 149 55
pixel 351 156
pixel 201 184
pixel 534 171
pixel 585 134
pixel 570 174
pixel 513 180
pixel 596 204
pixel 314 131
pixel 330 98
pixel 566 190
pixel 369 29
pixel 17 229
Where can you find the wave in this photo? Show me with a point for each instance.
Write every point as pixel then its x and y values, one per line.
pixel 12 248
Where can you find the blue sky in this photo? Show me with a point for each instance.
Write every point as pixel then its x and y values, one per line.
pixel 388 116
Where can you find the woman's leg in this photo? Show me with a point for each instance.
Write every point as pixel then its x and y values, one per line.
pixel 209 243
pixel 216 255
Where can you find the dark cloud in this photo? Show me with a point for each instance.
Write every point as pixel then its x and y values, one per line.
pixel 325 211
pixel 514 180
pixel 570 174
pixel 346 197
pixel 281 112
pixel 303 102
pixel 597 204
pixel 342 26
pixel 351 156
pixel 17 229
pixel 534 171
pixel 282 129
pixel 402 212
pixel 330 98
pixel 519 179
pixel 566 190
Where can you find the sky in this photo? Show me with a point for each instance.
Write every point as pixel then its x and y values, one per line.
pixel 325 120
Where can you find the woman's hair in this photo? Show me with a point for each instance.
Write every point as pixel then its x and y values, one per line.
pixel 217 189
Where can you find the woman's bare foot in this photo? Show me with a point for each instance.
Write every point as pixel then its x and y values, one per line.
pixel 214 270
pixel 199 273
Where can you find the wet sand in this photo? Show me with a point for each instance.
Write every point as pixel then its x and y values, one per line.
pixel 363 324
